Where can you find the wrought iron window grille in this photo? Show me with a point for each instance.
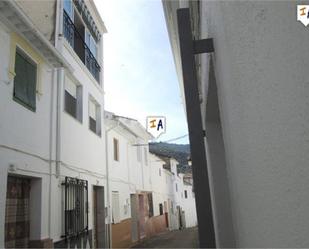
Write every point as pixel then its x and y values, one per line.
pixel 75 207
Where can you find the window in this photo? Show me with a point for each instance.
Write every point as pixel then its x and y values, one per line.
pixel 161 209
pixel 186 194
pixel 75 207
pixel 25 80
pixel 146 156
pixel 68 7
pixel 176 187
pixel 76 33
pixel 91 43
pixel 116 149
pixel 115 207
pixel 159 171
pixel 150 204
pixel 73 99
pixel 94 116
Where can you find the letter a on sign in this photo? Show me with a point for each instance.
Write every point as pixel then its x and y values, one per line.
pixel 156 125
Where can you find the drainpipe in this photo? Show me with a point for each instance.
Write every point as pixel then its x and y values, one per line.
pixel 142 165
pixel 60 82
pixel 60 79
pixel 51 127
pixel 107 184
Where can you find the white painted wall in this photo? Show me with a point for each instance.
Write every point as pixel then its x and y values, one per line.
pixel 189 207
pixel 128 175
pixel 43 15
pixel 26 132
pixel 261 77
pixel 260 64
pixel 27 140
pixel 82 151
pixel 162 188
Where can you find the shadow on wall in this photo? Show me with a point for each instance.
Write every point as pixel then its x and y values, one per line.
pixel 217 164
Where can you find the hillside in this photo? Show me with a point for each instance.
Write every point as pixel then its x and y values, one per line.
pixel 179 151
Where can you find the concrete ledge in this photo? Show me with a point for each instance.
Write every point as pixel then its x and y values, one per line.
pixel 44 243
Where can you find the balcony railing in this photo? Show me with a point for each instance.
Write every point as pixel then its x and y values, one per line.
pixel 76 40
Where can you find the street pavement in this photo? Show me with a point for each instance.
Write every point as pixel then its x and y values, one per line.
pixel 186 238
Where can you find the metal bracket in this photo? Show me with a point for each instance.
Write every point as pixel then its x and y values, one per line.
pixel 188 49
pixel 203 46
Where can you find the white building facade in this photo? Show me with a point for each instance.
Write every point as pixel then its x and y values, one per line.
pixel 147 194
pixel 129 178
pixel 52 142
pixel 179 192
pixel 253 91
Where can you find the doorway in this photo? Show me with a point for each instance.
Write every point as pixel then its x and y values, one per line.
pixel 115 207
pixel 142 230
pixel 99 240
pixel 17 212
pixel 179 217
pixel 134 215
pixel 166 214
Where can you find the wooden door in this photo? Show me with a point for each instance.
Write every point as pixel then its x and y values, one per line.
pixel 166 213
pixel 115 207
pixel 134 214
pixel 142 231
pixel 17 218
pixel 99 240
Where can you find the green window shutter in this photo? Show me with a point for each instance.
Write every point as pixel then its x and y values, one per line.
pixel 25 80
pixel 31 79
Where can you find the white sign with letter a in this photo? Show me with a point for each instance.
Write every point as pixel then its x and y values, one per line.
pixel 156 125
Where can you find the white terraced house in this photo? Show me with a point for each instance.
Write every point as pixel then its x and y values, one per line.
pixel 148 195
pixel 52 140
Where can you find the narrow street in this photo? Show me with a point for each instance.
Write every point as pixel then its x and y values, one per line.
pixel 187 238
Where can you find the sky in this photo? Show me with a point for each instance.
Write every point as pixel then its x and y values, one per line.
pixel 140 78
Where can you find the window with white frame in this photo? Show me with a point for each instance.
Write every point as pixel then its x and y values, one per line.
pixel 94 116
pixel 69 8
pixel 160 208
pixel 73 99
pixel 116 149
pixel 91 43
pixel 25 80
pixel 115 207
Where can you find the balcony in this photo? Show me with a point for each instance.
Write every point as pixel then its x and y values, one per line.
pixel 74 34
